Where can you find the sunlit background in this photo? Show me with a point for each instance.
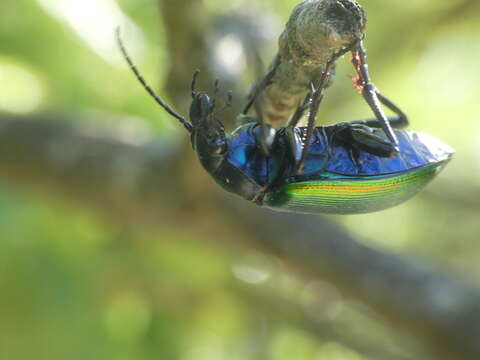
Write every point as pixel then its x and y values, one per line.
pixel 75 286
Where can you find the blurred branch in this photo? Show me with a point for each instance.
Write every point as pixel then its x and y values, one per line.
pixel 139 184
pixel 458 11
pixel 100 172
pixel 280 309
pixel 186 24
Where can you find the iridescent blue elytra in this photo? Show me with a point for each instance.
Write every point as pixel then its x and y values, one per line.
pixel 334 179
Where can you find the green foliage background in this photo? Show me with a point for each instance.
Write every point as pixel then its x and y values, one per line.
pixel 74 286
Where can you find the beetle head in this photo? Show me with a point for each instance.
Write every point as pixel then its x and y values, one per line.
pixel 200 108
pixel 208 135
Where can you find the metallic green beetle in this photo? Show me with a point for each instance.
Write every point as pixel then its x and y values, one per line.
pixel 349 168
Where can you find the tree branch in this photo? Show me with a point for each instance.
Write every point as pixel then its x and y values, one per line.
pixel 280 309
pixel 315 32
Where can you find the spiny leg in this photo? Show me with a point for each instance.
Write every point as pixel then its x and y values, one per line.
pixel 298 114
pixel 357 133
pixel 318 91
pixel 398 121
pixel 316 99
pixel 370 93
pixel 308 98
pixel 355 136
pixel 402 117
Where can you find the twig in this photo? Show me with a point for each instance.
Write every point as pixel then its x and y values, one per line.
pixel 315 32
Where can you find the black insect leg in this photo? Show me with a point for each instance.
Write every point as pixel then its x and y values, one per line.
pixel 396 122
pixel 318 92
pixel 400 120
pixel 370 94
pixel 402 117
pixel 292 137
pixel 298 114
pixel 358 137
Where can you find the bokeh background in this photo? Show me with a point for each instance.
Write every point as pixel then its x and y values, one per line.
pixel 78 285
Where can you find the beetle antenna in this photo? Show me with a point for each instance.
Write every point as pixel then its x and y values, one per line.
pixel 147 87
pixel 194 82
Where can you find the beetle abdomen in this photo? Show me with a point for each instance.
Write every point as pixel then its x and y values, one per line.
pixel 327 156
pixel 351 195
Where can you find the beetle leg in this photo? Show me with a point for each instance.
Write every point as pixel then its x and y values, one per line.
pixel 400 120
pixel 316 99
pixel 294 144
pixel 317 93
pixel 297 115
pixel 361 137
pixel 395 121
pixel 370 94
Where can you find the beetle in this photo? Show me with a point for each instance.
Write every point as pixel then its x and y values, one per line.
pixel 349 167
